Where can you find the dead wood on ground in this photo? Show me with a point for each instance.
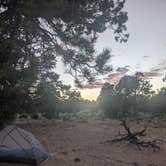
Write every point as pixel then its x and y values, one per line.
pixel 134 138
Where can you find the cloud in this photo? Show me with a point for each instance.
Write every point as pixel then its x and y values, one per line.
pixel 150 75
pixel 95 85
pixel 122 69
pixel 161 67
pixel 93 74
pixel 138 66
pixel 112 78
pixel 156 71
pixel 145 56
pixel 117 75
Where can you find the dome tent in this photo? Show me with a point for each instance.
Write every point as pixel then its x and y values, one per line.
pixel 20 147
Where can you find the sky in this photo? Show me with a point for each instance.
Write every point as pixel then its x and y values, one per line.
pixel 145 50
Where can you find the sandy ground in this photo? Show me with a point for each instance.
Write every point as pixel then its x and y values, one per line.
pixel 83 144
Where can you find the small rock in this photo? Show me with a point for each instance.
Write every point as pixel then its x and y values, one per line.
pixel 77 160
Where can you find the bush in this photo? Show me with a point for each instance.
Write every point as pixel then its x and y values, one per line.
pixel 6 117
pixel 35 116
pixel 51 114
pixel 25 116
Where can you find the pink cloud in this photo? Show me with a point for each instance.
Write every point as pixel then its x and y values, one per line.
pixel 115 77
pixel 112 80
pixel 95 85
pixel 161 67
pixel 150 75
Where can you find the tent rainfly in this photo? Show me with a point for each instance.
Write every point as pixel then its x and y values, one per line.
pixel 20 147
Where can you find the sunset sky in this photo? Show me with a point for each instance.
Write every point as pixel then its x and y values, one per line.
pixel 145 50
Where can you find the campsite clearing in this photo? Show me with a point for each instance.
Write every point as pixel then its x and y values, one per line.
pixel 84 144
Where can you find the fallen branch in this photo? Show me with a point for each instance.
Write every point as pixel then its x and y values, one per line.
pixel 132 137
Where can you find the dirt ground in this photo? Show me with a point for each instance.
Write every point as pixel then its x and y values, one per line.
pixel 83 144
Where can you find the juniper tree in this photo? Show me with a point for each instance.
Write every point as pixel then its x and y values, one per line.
pixel 33 34
pixel 125 103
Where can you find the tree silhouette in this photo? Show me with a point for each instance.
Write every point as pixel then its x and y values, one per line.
pixel 34 33
pixel 107 99
pixel 129 96
pixel 158 102
pixel 134 93
pixel 124 102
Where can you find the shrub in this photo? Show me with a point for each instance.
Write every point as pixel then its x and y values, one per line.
pixel 35 116
pixel 6 117
pixel 25 116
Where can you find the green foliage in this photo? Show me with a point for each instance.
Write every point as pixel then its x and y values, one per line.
pixel 23 115
pixel 47 99
pixel 72 103
pixel 6 117
pixel 35 116
pixel 128 98
pixel 158 101
pixel 106 99
pixel 49 114
pixel 34 33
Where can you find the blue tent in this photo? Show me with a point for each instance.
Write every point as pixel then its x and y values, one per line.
pixel 20 146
